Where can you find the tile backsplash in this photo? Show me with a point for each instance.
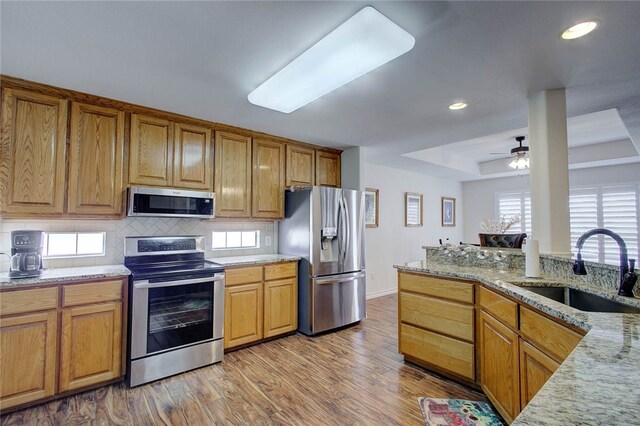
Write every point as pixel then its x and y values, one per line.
pixel 116 230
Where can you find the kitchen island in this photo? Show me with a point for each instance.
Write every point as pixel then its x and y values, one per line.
pixel 597 383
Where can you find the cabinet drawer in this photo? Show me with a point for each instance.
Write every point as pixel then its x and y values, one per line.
pixel 430 286
pixel 20 301
pixel 443 352
pixel 280 270
pixel 552 338
pixel 243 275
pixel 500 307
pixel 81 294
pixel 450 318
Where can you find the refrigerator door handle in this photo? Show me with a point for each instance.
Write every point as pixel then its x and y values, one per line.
pixel 342 241
pixel 339 278
pixel 347 227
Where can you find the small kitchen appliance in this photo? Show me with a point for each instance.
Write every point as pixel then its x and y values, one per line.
pixel 176 311
pixel 26 254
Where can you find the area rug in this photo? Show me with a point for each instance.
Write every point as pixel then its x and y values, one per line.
pixel 459 412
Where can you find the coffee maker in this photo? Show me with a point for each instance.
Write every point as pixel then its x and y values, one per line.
pixel 26 254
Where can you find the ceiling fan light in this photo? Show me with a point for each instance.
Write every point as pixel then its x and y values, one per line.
pixel 520 162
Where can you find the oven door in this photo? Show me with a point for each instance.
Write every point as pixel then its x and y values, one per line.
pixel 167 315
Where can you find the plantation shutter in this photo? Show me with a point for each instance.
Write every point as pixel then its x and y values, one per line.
pixel 620 214
pixel 583 213
pixel 509 205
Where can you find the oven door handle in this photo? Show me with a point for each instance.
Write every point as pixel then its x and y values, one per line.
pixel 147 284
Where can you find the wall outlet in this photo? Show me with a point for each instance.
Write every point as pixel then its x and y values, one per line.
pixel 267 241
pixel 372 276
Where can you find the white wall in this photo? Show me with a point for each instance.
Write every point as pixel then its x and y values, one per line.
pixel 352 168
pixel 392 243
pixel 479 196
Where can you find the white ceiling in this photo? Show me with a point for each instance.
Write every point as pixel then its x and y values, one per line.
pixel 203 58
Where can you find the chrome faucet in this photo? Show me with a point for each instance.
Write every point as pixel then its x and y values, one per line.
pixel 627 279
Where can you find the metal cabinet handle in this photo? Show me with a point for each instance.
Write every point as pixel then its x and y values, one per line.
pixel 147 284
pixel 340 278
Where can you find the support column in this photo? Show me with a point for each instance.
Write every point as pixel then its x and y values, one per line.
pixel 549 171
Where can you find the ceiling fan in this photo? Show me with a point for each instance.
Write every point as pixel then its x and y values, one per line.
pixel 519 155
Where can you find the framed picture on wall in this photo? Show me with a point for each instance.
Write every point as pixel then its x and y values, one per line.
pixel 448 211
pixel 412 209
pixel 371 209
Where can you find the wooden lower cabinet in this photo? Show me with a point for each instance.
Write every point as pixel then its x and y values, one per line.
pixel 280 306
pixel 90 349
pixel 499 357
pixel 260 302
pixel 445 353
pixel 436 324
pixel 70 331
pixel 242 314
pixel 27 358
pixel 535 369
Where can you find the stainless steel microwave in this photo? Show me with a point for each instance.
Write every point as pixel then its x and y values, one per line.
pixel 167 202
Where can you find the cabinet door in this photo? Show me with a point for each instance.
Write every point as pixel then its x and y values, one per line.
pixel 32 153
pixel 535 370
pixel 233 175
pixel 499 366
pixel 28 358
pixel 301 166
pixel 90 347
pixel 193 168
pixel 242 314
pixel 268 179
pixel 327 169
pixel 95 160
pixel 151 151
pixel 280 306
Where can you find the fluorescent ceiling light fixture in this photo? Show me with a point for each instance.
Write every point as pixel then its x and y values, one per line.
pixel 364 42
pixel 458 105
pixel 579 30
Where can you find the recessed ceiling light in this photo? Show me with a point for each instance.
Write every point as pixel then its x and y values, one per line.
pixel 364 42
pixel 579 30
pixel 458 105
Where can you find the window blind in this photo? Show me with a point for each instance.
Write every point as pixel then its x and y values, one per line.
pixel 620 214
pixel 612 207
pixel 583 216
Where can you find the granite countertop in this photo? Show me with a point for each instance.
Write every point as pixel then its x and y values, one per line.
pixel 259 259
pixel 598 382
pixel 53 276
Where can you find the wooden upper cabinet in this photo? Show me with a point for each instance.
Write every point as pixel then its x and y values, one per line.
pixel 95 160
pixel 232 175
pixel 327 168
pixel 150 151
pixel 268 179
pixel 32 152
pixel 301 166
pixel 192 158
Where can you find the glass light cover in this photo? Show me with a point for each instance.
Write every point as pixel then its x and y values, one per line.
pixel 364 42
pixel 579 30
pixel 520 162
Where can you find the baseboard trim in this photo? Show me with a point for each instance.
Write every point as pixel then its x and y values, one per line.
pixel 381 293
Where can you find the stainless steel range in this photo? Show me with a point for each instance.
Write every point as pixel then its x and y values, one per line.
pixel 176 309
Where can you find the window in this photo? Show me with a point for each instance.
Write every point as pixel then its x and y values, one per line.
pixel 222 240
pixel 612 207
pixel 516 203
pixel 74 244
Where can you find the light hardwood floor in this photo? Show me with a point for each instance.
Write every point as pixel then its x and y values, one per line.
pixel 353 376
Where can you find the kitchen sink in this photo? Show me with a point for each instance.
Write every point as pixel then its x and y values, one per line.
pixel 582 300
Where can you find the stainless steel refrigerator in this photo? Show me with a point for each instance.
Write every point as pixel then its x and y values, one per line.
pixel 325 227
